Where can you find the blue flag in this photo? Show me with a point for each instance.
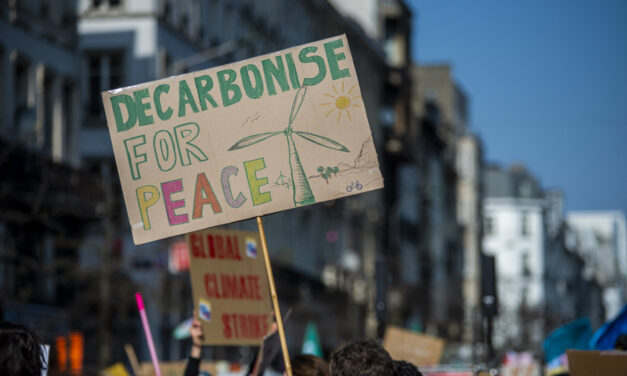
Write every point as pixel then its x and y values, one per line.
pixel 605 336
pixel 574 335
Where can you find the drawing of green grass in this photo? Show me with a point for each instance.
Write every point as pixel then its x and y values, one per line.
pixel 302 193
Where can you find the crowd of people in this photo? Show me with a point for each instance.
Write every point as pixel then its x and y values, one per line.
pixel 21 354
pixel 358 358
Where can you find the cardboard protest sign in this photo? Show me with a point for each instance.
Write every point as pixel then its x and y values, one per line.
pixel 242 140
pixel 230 286
pixel 177 368
pixel 595 363
pixel 419 349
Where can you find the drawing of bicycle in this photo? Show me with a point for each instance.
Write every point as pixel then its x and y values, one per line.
pixel 354 185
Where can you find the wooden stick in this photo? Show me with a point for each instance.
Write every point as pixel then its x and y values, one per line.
pixel 275 300
pixel 132 358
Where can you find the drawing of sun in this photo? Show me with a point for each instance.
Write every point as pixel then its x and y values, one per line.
pixel 342 102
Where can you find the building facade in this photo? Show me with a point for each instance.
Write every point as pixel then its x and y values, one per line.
pixel 515 233
pixel 439 100
pixel 601 238
pixel 48 201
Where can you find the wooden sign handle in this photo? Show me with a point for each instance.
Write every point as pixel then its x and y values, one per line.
pixel 275 300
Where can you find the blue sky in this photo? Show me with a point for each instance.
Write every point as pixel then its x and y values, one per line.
pixel 547 82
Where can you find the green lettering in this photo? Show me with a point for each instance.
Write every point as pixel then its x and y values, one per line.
pixel 333 58
pixel 140 95
pixel 322 70
pixel 134 155
pixel 256 91
pixel 203 85
pixel 163 115
pixel 291 68
pixel 274 72
pixel 226 85
pixel 185 98
pixel 185 134
pixel 127 100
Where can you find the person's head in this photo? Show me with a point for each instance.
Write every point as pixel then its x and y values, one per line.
pixel 21 352
pixel 361 358
pixel 403 368
pixel 621 342
pixel 309 365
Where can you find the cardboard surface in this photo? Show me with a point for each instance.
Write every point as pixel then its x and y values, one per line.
pixel 419 349
pixel 250 138
pixel 177 368
pixel 597 363
pixel 230 286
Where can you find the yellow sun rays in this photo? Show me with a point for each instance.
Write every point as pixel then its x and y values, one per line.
pixel 343 101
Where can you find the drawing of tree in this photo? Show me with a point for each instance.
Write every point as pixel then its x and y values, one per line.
pixel 302 193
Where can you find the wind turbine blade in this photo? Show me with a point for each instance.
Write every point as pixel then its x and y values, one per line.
pixel 298 102
pixel 251 140
pixel 322 141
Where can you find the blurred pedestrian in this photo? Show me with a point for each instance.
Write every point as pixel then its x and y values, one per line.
pixel 269 355
pixel 309 365
pixel 21 351
pixel 193 362
pixel 403 368
pixel 362 358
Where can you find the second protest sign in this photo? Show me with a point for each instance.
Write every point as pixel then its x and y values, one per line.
pixel 230 286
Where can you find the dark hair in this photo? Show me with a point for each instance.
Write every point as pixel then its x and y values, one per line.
pixel 21 353
pixel 404 368
pixel 309 365
pixel 621 342
pixel 362 358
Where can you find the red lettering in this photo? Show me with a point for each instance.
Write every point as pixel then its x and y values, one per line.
pixel 220 247
pixel 226 328
pixel 234 318
pixel 238 325
pixel 212 250
pixel 256 289
pixel 255 326
pixel 196 246
pixel 243 293
pixel 243 326
pixel 229 285
pixel 230 252
pixel 211 286
pixel 233 286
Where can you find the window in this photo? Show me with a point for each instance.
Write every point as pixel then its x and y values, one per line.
pixel 24 119
pixel 106 3
pixel 524 263
pixel 105 72
pixel 488 225
pixel 68 117
pixel 49 99
pixel 524 223
pixel 94 78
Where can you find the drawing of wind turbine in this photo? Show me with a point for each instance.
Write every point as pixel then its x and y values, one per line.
pixel 302 191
